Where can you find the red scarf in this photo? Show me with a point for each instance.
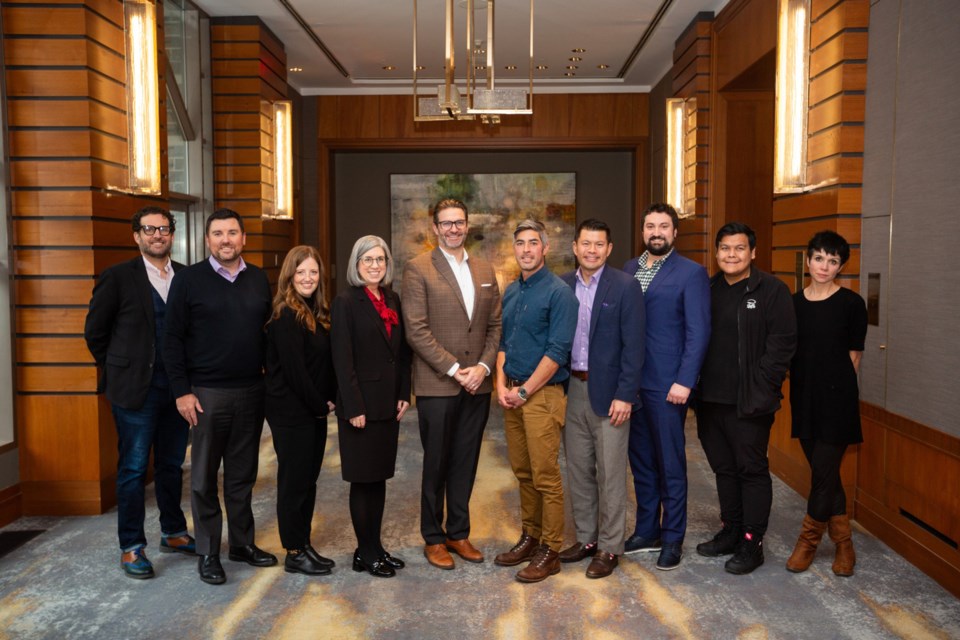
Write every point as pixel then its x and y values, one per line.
pixel 388 315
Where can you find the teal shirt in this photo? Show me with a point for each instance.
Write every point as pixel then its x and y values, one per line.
pixel 539 319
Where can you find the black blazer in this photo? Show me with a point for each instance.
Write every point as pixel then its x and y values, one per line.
pixel 373 371
pixel 120 331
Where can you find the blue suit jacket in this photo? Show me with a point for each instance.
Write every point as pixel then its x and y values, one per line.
pixel 616 340
pixel 678 323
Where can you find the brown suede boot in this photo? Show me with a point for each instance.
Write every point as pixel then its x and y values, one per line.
pixel 839 529
pixel 810 534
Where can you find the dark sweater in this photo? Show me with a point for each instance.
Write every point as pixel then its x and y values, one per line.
pixel 215 328
pixel 300 377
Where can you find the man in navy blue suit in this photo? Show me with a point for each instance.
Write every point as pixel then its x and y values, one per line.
pixel 606 360
pixel 677 299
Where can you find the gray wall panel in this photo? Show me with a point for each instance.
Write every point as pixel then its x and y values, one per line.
pixel 923 353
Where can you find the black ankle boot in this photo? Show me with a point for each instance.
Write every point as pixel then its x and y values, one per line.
pixel 299 561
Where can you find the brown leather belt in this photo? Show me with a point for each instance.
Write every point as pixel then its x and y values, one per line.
pixel 580 375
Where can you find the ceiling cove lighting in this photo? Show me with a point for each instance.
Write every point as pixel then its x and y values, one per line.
pixel 478 94
pixel 143 100
pixel 793 57
pixel 283 160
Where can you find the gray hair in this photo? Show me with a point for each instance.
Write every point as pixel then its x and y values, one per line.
pixel 360 247
pixel 532 225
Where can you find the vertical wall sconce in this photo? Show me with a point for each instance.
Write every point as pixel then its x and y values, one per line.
pixel 681 193
pixel 793 57
pixel 143 101
pixel 283 158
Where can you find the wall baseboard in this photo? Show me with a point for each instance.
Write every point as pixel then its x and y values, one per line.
pixel 11 504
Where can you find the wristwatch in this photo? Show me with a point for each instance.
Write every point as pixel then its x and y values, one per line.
pixel 522 394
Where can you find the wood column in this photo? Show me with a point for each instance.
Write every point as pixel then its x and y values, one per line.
pixel 68 149
pixel 691 81
pixel 838 77
pixel 249 72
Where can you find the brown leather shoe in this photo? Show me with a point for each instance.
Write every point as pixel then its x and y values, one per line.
pixel 839 529
pixel 436 554
pixel 544 564
pixel 578 551
pixel 524 550
pixel 465 550
pixel 806 549
pixel 602 565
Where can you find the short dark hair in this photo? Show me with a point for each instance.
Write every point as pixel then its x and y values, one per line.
pixel 661 207
pixel 149 211
pixel 222 214
pixel 448 203
pixel 735 228
pixel 831 243
pixel 592 224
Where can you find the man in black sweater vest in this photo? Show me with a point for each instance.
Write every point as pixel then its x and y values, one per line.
pixel 213 353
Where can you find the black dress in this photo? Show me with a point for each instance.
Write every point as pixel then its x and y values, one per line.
pixel 824 394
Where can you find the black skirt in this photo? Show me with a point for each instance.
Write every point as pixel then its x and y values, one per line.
pixel 368 454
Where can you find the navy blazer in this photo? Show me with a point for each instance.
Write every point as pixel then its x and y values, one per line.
pixel 373 370
pixel 678 323
pixel 616 340
pixel 120 331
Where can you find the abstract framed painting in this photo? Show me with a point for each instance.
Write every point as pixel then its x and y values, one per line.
pixel 497 203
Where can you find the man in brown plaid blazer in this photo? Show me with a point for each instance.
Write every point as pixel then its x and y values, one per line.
pixel 451 309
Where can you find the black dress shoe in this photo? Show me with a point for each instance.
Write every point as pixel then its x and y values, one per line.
pixel 252 555
pixel 377 568
pixel 301 562
pixel 319 559
pixel 211 571
pixel 396 563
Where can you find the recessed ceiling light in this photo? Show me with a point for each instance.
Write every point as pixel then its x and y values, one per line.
pixel 296 69
pixel 420 67
pixel 571 67
pixel 389 67
pixel 511 67
pixel 575 59
pixel 480 67
pixel 542 67
pixel 578 50
pixel 569 74
pixel 603 66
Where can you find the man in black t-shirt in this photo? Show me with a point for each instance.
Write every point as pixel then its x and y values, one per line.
pixel 213 352
pixel 753 338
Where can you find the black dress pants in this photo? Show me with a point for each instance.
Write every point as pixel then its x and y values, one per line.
pixel 827 497
pixel 736 449
pixel 228 430
pixel 451 432
pixel 300 450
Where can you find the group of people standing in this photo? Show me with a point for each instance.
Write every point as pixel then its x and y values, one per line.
pixel 603 360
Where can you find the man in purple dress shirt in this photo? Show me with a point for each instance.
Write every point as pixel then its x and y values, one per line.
pixel 608 350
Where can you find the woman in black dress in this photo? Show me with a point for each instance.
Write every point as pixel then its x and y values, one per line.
pixel 372 361
pixel 300 388
pixel 824 396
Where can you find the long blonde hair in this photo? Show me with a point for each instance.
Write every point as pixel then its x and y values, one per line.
pixel 312 311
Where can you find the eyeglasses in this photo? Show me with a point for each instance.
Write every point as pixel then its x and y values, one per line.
pixel 369 261
pixel 446 225
pixel 149 229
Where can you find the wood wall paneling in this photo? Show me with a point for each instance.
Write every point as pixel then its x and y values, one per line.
pixel 67 143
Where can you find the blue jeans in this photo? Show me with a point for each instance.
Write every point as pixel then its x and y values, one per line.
pixel 158 425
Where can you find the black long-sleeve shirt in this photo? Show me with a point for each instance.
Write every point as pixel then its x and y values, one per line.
pixel 215 334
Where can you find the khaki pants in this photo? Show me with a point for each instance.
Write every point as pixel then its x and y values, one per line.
pixel 533 444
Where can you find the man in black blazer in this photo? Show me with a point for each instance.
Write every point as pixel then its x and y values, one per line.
pixel 124 332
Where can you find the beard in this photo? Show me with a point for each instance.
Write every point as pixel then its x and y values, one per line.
pixel 661 250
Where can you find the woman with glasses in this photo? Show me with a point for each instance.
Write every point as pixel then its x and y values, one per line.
pixel 300 388
pixel 824 396
pixel 372 362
